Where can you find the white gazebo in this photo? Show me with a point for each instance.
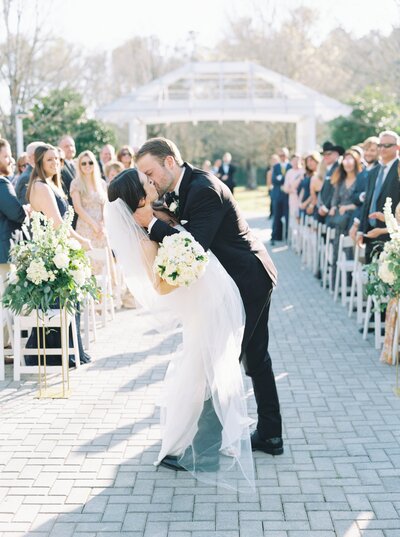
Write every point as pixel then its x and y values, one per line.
pixel 224 91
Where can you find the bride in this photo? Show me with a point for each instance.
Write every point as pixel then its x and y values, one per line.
pixel 204 421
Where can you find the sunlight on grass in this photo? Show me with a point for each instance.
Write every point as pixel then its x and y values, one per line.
pixel 254 201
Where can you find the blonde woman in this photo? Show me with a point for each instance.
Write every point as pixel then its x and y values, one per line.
pixel 89 194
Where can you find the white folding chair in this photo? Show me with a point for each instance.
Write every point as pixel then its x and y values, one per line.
pixel 27 323
pixel 5 320
pixel 344 266
pixel 89 321
pixel 106 306
pixel 359 279
pixel 373 302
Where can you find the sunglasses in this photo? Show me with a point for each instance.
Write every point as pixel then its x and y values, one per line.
pixel 125 154
pixel 87 163
pixel 386 146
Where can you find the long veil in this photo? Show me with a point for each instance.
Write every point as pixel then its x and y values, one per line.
pixel 204 417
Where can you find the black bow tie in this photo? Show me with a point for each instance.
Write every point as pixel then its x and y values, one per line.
pixel 170 197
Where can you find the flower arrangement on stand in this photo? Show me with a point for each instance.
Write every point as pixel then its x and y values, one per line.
pixel 49 271
pixel 384 272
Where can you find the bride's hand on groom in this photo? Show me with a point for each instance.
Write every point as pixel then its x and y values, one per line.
pixel 143 215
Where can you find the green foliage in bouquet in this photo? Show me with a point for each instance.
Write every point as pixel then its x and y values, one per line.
pixel 50 269
pixel 384 271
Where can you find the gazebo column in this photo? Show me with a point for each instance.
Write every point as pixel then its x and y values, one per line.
pixel 306 140
pixel 137 133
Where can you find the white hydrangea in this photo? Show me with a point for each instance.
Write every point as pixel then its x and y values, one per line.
pixel 385 274
pixel 74 244
pixel 61 260
pixel 79 276
pixel 36 272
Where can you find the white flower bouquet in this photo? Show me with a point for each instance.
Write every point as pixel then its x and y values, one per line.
pixel 180 259
pixel 384 271
pixel 50 269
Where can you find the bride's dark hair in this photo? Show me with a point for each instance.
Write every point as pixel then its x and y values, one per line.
pixel 127 186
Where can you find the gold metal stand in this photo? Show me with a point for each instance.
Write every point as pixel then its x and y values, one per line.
pixel 396 389
pixel 57 392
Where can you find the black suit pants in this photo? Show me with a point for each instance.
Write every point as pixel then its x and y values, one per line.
pixel 257 364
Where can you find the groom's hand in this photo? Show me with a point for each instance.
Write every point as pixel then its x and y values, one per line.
pixel 144 215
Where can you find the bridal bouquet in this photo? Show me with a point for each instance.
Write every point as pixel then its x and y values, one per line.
pixel 384 271
pixel 49 268
pixel 180 259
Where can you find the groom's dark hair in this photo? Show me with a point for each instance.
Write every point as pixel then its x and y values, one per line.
pixel 160 148
pixel 128 187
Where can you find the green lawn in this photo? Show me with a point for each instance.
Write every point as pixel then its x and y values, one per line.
pixel 253 200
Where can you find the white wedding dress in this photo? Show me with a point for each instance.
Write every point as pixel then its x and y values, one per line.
pixel 204 417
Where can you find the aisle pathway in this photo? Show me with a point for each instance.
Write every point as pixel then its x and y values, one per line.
pixel 83 467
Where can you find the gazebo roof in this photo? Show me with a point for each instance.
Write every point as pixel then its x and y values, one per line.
pixel 222 91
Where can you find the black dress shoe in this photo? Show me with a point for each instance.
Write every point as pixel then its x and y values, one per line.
pixel 85 359
pixel 171 462
pixel 273 446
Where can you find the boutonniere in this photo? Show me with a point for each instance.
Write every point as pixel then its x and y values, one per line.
pixel 183 222
pixel 173 207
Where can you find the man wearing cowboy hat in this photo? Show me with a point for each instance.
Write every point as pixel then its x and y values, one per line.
pixel 331 154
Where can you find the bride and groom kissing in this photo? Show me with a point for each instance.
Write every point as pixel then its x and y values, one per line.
pixel 224 314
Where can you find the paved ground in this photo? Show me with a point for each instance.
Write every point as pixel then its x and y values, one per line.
pixel 83 466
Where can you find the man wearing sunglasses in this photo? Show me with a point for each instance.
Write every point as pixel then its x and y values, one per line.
pixel 383 182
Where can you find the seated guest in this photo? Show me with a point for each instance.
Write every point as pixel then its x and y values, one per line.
pixel 307 198
pixel 343 182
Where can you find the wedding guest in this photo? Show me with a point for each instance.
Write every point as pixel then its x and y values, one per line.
pixel 331 154
pixel 23 180
pixel 268 181
pixel 371 159
pixel 307 197
pixel 280 200
pixel 112 169
pixel 227 171
pixel 291 184
pixel 12 214
pixel 89 194
pixel 126 156
pixel 68 171
pixel 107 154
pixel 391 307
pixel 206 166
pixel 383 182
pixel 22 163
pixel 216 166
pixel 340 214
pixel 46 195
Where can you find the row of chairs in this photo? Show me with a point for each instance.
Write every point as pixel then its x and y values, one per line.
pixel 20 326
pixel 314 242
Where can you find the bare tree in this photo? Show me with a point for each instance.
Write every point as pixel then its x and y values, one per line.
pixel 32 61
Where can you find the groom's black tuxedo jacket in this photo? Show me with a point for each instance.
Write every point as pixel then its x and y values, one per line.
pixel 214 219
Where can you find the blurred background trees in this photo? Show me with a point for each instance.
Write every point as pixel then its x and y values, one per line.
pixel 60 86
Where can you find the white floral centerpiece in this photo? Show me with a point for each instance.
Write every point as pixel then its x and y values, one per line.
pixel 50 269
pixel 180 260
pixel 384 271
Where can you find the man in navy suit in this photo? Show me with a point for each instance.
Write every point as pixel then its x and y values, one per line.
pixel 383 182
pixel 12 214
pixel 279 198
pixel 214 219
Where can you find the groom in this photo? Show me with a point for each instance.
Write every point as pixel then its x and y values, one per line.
pixel 210 213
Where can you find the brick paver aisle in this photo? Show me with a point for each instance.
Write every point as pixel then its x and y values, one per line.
pixel 84 466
